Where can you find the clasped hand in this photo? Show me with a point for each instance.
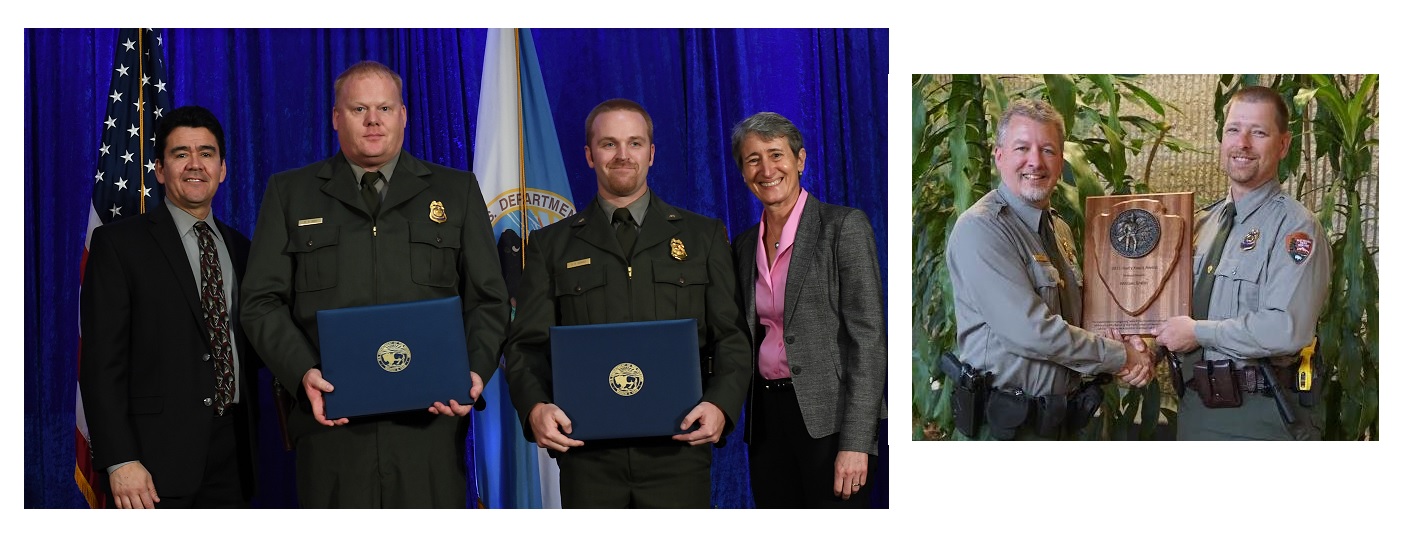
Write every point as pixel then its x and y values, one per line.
pixel 1139 367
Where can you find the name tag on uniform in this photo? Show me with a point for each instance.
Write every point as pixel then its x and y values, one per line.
pixel 580 262
pixel 310 221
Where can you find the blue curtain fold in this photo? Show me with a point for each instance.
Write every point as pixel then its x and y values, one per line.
pixel 272 90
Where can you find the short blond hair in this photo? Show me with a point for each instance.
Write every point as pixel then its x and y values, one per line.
pixel 365 68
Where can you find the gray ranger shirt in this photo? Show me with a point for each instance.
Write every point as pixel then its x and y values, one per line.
pixel 1008 300
pixel 1270 283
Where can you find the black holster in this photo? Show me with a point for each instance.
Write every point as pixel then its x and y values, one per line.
pixel 968 407
pixel 1051 415
pixel 1085 403
pixel 970 396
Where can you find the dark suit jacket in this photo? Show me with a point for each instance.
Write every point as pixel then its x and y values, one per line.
pixel 145 377
pixel 833 321
pixel 658 287
pixel 317 247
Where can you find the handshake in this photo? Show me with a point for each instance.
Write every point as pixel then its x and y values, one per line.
pixel 1139 367
pixel 1176 334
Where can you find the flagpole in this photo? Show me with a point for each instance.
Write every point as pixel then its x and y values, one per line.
pixel 141 127
pixel 523 182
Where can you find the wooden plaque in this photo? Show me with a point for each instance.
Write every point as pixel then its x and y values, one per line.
pixel 1138 267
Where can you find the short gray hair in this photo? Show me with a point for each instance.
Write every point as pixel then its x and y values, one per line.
pixel 767 126
pixel 1033 109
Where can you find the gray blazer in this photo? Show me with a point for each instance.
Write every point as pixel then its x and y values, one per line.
pixel 833 322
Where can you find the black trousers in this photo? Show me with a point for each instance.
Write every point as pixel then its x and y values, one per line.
pixel 220 486
pixel 648 473
pixel 788 469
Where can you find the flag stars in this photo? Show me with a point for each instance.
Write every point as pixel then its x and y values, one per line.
pixel 121 184
pixel 150 165
pixel 111 123
pixel 144 80
pixel 127 156
pixel 161 86
pixel 132 132
pixel 138 104
pixel 129 44
pixel 104 149
pixel 116 210
pixel 116 96
pixel 158 40
pixel 121 70
pixel 99 177
pixel 158 112
pixel 147 192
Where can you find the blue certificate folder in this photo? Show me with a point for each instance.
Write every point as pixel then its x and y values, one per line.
pixel 393 357
pixel 629 379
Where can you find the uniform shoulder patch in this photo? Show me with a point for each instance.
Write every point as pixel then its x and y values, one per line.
pixel 1300 246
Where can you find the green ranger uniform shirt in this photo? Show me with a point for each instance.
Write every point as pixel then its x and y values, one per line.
pixel 1018 313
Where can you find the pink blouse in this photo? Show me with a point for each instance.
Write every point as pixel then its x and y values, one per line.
pixel 769 288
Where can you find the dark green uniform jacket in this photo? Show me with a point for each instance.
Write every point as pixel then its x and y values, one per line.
pixel 317 247
pixel 653 285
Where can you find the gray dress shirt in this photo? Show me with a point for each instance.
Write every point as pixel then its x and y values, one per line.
pixel 1265 301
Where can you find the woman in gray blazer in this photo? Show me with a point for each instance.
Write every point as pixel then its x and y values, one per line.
pixel 810 288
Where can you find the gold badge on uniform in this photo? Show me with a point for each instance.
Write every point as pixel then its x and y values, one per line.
pixel 1250 240
pixel 626 379
pixel 677 250
pixel 1069 251
pixel 438 212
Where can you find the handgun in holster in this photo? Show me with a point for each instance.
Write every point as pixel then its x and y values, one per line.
pixel 970 394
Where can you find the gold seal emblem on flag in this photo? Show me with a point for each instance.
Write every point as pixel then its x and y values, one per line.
pixel 677 250
pixel 438 212
pixel 626 379
pixel 394 356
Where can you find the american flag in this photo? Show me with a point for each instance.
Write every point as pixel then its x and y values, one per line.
pixel 124 182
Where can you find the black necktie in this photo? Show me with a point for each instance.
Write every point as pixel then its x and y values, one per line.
pixel 217 318
pixel 625 229
pixel 1203 289
pixel 1054 254
pixel 369 190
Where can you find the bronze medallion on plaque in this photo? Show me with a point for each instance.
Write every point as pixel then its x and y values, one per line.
pixel 1138 264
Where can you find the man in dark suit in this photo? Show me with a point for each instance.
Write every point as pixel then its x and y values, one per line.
pixel 372 225
pixel 167 375
pixel 810 287
pixel 659 262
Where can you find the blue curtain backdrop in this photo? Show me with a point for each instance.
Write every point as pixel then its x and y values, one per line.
pixel 272 90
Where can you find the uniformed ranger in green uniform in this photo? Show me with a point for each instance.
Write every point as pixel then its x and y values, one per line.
pixel 372 225
pixel 1017 294
pixel 628 257
pixel 1261 272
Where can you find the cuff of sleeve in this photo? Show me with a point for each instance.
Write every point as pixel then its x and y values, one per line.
pixel 1204 331
pixel 114 468
pixel 1113 356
